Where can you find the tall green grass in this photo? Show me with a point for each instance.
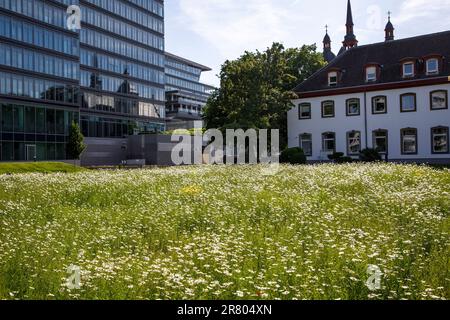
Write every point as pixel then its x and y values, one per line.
pixel 37 167
pixel 225 232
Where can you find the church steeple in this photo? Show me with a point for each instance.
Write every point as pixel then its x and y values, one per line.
pixel 350 38
pixel 389 30
pixel 328 55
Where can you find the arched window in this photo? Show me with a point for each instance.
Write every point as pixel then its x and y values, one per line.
pixel 409 69
pixel 332 78
pixel 353 107
pixel 439 100
pixel 439 137
pixel 353 143
pixel 380 140
pixel 432 66
pixel 328 109
pixel 379 105
pixel 408 102
pixel 304 111
pixel 409 141
pixel 329 142
pixel 306 144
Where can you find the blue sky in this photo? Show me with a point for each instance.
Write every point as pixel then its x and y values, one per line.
pixel 211 31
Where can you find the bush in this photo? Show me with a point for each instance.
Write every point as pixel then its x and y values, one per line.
pixel 293 156
pixel 338 157
pixel 370 155
pixel 75 145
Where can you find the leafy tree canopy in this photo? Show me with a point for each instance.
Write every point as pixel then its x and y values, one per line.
pixel 255 90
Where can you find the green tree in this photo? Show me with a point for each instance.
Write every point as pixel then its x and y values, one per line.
pixel 255 90
pixel 75 145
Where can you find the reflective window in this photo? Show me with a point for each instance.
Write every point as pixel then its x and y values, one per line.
pixel 13 84
pixel 379 105
pixel 409 141
pixel 408 102
pixel 432 66
pixel 440 140
pixel 329 142
pixel 353 107
pixel 34 34
pixel 305 111
pixel 353 143
pixel 439 100
pixel 380 141
pixel 306 144
pixel 328 109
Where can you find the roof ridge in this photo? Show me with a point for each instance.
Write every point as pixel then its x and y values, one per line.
pixel 400 40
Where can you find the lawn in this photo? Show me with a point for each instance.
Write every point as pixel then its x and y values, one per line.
pixel 307 232
pixel 42 167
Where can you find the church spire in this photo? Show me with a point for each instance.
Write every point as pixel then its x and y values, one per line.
pixel 389 30
pixel 349 15
pixel 350 38
pixel 328 55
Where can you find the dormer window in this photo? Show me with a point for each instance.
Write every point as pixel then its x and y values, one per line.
pixel 432 66
pixel 408 70
pixel 371 74
pixel 332 79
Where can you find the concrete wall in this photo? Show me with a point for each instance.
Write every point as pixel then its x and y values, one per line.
pixel 423 120
pixel 155 149
pixel 104 152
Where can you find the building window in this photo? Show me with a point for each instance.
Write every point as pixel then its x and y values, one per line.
pixel 439 100
pixel 380 141
pixel 379 105
pixel 408 102
pixel 353 107
pixel 440 140
pixel 371 74
pixel 409 141
pixel 328 109
pixel 329 142
pixel 306 144
pixel 353 143
pixel 304 111
pixel 408 70
pixel 332 79
pixel 432 66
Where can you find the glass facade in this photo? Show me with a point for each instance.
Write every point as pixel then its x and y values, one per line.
pixel 109 76
pixel 34 132
pixel 185 94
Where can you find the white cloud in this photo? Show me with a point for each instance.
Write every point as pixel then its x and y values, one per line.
pixel 233 26
pixel 417 10
pixel 229 27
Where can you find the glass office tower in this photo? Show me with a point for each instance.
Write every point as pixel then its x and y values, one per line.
pixel 108 76
pixel 185 94
pixel 122 67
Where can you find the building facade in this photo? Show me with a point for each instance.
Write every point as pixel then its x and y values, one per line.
pixel 185 94
pixel 39 79
pixel 109 76
pixel 390 96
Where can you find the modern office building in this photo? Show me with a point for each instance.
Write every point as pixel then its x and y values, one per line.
pixel 109 76
pixel 185 94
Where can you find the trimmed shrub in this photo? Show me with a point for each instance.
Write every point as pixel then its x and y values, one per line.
pixel 293 156
pixel 370 155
